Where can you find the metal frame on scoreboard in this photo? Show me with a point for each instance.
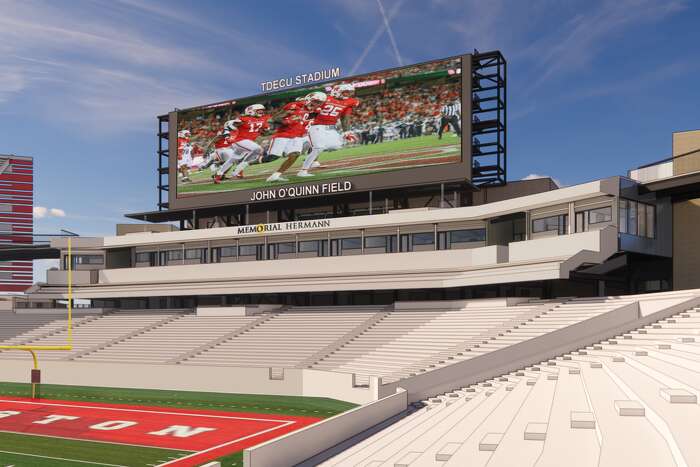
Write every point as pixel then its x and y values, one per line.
pixel 489 156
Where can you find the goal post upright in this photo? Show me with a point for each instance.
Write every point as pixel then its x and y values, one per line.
pixel 35 379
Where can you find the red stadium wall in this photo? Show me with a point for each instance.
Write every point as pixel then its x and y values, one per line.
pixel 16 221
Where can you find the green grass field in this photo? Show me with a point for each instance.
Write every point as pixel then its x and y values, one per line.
pixel 28 450
pixel 347 162
pixel 20 450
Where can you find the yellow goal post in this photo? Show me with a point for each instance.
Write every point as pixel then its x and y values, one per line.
pixel 69 346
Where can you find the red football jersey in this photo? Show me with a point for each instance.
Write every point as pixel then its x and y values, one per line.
pixel 251 127
pixel 333 109
pixel 225 139
pixel 296 123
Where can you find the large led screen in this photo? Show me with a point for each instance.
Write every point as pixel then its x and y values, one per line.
pixel 391 128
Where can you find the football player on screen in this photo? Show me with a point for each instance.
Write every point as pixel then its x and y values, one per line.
pixel 292 134
pixel 323 132
pixel 184 154
pixel 242 148
pixel 223 149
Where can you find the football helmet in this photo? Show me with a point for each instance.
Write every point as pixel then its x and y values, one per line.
pixel 343 91
pixel 183 134
pixel 231 124
pixel 315 98
pixel 255 110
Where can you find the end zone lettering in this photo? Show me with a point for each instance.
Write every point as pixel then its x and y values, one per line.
pixel 304 190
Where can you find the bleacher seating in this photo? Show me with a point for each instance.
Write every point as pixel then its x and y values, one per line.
pixel 394 346
pixel 92 332
pixel 19 329
pixel 287 339
pixel 170 340
pixel 627 400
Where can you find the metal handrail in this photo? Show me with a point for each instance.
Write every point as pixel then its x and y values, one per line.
pixel 668 159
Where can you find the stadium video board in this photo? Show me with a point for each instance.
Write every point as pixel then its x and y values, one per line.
pixel 394 128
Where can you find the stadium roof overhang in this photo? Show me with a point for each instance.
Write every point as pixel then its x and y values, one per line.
pixel 685 185
pixel 28 252
pixel 183 214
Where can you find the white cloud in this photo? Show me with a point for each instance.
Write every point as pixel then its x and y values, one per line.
pixel 91 59
pixel 56 212
pixel 534 176
pixel 41 212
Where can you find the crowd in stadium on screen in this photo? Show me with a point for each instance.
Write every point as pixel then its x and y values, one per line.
pixel 402 112
pixel 407 106
pixel 453 64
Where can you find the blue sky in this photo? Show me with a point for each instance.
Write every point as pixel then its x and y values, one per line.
pixel 595 87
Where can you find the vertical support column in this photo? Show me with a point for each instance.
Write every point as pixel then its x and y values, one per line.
pixel 572 219
pixel 370 203
pixel 442 195
pixel 70 295
pixel 527 225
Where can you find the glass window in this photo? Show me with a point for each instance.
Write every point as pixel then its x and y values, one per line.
pixel 194 253
pixel 89 259
pixel 466 236
pixel 286 247
pixel 248 250
pixel 632 218
pixel 549 224
pixel 641 220
pixel 624 212
pixel 651 221
pixel 308 246
pixel 600 215
pixel 423 238
pixel 144 257
pixel 174 255
pixel 227 251
pixel 375 242
pixel 354 243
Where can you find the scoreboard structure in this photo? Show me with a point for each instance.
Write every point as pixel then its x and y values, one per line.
pixel 16 218
pixel 395 153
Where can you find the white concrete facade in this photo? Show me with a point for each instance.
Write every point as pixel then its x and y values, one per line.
pixel 536 257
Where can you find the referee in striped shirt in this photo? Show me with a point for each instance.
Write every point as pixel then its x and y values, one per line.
pixel 450 115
